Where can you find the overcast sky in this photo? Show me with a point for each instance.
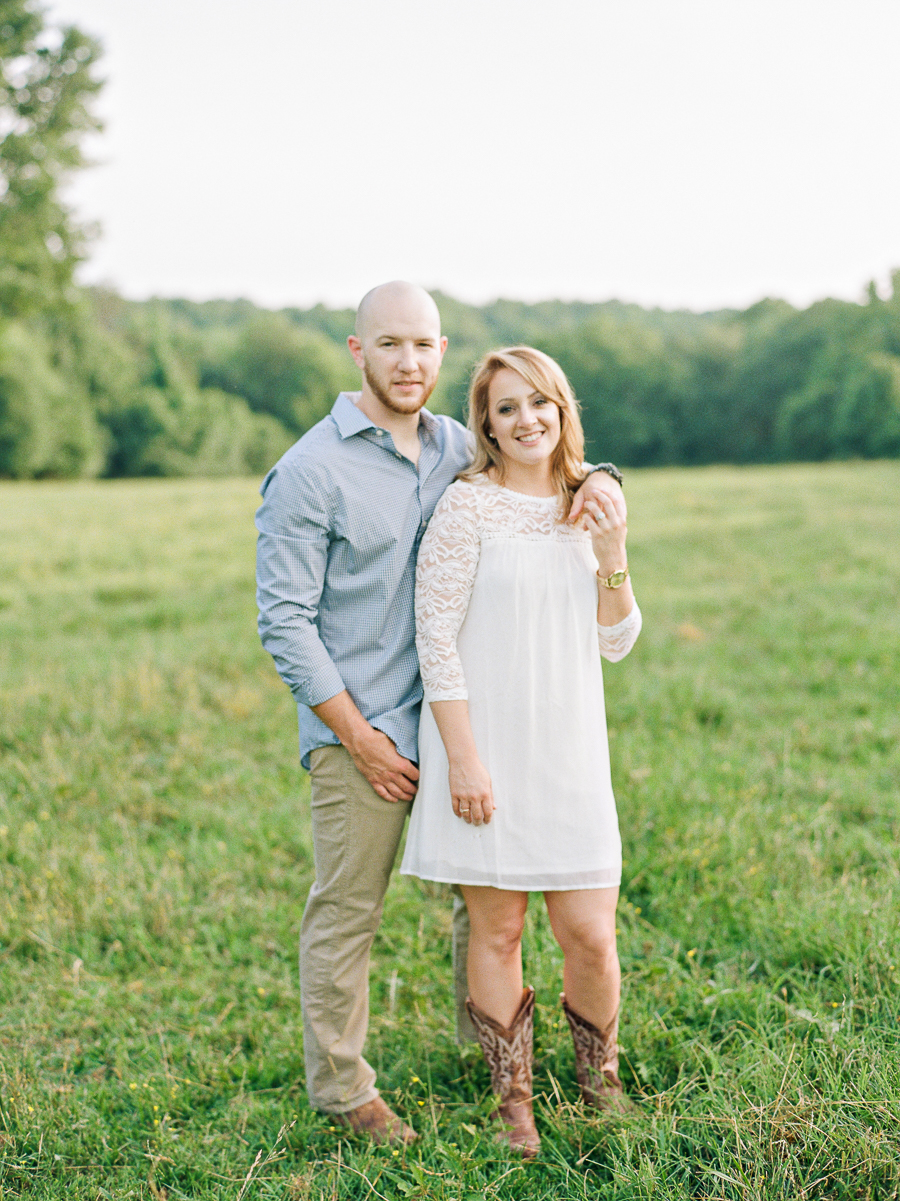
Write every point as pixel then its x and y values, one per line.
pixel 694 153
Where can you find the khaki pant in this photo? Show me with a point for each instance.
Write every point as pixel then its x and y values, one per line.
pixel 355 839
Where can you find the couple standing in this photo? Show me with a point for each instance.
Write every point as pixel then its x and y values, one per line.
pixel 515 794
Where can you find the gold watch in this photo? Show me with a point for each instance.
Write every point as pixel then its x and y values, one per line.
pixel 616 580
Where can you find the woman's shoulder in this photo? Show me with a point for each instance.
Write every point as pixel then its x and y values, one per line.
pixel 465 494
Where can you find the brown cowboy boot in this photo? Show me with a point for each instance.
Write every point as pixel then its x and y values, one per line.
pixel 508 1053
pixel 378 1120
pixel 597 1062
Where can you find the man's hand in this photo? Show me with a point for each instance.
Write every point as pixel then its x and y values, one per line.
pixel 393 777
pixel 597 486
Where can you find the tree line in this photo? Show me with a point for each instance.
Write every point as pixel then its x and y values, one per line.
pixel 92 384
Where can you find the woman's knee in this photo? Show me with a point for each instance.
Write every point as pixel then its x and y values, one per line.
pixel 503 939
pixel 594 941
pixel 497 928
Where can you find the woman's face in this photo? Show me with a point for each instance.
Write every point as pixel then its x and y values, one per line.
pixel 525 423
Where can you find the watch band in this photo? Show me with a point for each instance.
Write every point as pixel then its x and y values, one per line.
pixel 610 469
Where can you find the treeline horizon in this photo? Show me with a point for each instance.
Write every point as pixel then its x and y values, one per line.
pixel 109 387
pixel 94 385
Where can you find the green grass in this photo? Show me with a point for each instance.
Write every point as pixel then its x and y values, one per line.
pixel 155 856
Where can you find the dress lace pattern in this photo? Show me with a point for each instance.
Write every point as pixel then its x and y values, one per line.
pixel 469 514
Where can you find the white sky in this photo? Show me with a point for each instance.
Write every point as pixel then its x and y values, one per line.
pixel 694 153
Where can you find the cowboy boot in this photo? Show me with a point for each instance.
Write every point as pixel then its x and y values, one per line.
pixel 597 1062
pixel 508 1054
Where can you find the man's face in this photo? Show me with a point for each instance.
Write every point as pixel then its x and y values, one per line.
pixel 400 353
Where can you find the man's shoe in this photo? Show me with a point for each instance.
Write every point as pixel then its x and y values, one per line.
pixel 379 1121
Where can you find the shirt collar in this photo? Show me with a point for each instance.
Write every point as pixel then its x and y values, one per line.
pixel 350 419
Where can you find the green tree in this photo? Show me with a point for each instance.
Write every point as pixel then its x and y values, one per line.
pixel 46 85
pixel 47 421
pixel 292 374
pixel 162 422
pixel 628 385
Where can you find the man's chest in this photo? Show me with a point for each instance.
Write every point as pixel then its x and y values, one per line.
pixel 381 504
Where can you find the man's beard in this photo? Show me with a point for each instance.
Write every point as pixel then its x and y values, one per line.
pixel 389 402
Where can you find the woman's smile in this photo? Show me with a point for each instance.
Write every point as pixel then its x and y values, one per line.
pixel 524 424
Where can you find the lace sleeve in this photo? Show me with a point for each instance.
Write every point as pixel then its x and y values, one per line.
pixel 616 641
pixel 445 573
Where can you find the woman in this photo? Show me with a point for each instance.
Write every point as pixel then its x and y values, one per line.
pixel 513 610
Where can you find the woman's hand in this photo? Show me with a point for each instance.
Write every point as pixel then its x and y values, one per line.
pixel 606 521
pixel 470 791
pixel 470 782
pixel 598 486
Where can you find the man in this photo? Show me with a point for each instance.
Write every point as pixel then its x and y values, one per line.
pixel 342 516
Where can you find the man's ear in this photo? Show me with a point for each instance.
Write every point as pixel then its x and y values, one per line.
pixel 356 350
pixel 443 345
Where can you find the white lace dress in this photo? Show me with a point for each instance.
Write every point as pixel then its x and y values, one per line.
pixel 506 617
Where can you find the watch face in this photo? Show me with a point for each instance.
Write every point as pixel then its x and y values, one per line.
pixel 617 578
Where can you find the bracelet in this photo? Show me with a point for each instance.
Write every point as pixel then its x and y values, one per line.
pixel 610 469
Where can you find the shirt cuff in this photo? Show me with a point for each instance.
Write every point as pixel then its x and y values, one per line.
pixel 321 686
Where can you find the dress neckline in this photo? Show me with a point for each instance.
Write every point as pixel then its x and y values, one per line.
pixel 544 500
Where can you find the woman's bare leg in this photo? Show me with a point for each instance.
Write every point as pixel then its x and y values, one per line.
pixel 584 925
pixel 496 920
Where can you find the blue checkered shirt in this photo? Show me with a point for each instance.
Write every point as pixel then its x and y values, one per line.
pixel 342 516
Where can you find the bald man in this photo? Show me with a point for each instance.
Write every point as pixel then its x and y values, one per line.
pixel 342 516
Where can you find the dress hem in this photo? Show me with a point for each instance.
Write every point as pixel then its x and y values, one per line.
pixel 435 879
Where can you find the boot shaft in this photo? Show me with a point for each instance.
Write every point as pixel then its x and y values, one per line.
pixel 508 1051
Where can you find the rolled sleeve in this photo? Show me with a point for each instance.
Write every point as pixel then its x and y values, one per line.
pixel 291 559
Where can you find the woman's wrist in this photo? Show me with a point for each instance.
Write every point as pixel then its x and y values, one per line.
pixel 610 560
pixel 462 760
pixel 608 564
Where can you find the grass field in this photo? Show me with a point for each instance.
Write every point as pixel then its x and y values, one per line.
pixel 155 856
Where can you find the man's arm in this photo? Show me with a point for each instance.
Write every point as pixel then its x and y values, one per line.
pixel 599 484
pixel 292 556
pixel 393 777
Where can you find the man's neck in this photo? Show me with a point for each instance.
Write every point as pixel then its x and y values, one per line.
pixel 403 427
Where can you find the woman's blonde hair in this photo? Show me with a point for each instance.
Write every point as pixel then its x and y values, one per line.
pixel 547 378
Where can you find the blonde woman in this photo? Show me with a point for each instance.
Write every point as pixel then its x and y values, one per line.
pixel 514 609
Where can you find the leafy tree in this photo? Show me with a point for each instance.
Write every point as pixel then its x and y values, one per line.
pixel 293 374
pixel 162 422
pixel 46 85
pixel 47 422
pixel 628 386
